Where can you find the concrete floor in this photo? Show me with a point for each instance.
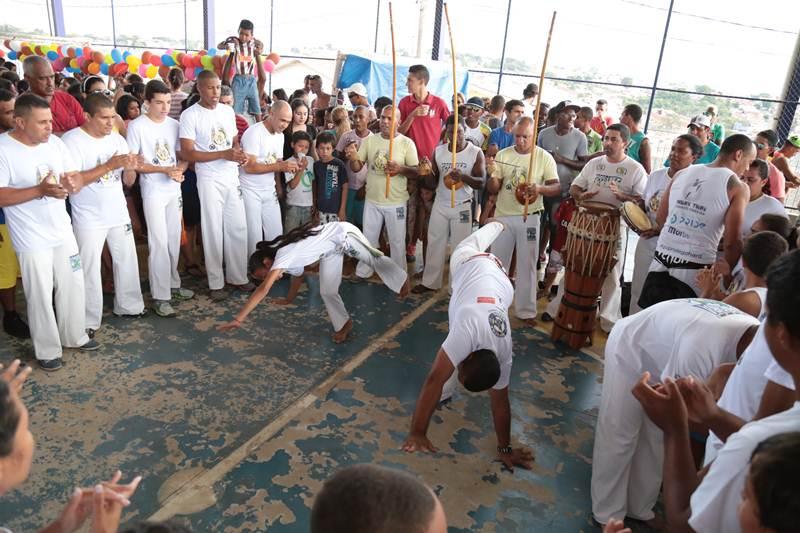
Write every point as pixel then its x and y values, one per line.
pixel 236 432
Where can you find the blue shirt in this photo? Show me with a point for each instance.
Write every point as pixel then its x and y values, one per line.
pixel 2 217
pixel 501 138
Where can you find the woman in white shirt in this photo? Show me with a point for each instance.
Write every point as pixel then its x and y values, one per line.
pixel 304 246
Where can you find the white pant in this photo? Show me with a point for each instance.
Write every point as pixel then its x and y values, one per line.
pixel 224 228
pixel 628 453
pixel 43 272
pixel 645 248
pixel 524 236
pixel 446 222
pixel 127 288
pixel 330 273
pixel 610 294
pixel 263 214
pixel 395 219
pixel 163 215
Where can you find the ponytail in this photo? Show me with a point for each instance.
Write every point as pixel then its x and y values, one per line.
pixel 269 249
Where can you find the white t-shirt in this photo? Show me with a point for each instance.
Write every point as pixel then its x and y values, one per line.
pixel 715 501
pixel 303 194
pixel 98 205
pixel 478 313
pixel 42 223
pixel 657 183
pixel 776 374
pixel 744 388
pixel 599 173
pixel 296 256
pixel 212 130
pixel 701 335
pixel 267 148
pixel 158 144
pixel 465 160
pixel 761 206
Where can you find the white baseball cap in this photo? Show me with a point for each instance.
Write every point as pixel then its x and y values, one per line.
pixel 700 120
pixel 358 88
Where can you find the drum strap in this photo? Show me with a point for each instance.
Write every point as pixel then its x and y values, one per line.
pixel 579 295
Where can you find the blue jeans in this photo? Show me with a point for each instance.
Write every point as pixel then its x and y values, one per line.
pixel 245 95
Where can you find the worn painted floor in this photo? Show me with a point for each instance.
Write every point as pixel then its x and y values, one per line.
pixel 236 432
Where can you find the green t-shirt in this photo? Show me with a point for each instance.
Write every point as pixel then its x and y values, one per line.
pixel 717 133
pixel 594 142
pixel 634 144
pixel 512 168
pixel 374 151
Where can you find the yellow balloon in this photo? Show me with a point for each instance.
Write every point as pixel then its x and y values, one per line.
pixel 152 71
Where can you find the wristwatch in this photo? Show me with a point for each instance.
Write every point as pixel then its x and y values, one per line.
pixel 504 450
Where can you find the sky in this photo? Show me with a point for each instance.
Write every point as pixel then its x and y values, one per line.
pixel 733 46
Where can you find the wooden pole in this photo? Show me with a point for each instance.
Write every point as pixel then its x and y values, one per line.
pixel 455 106
pixel 532 159
pixel 394 98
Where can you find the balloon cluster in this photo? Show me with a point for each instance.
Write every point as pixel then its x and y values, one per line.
pixel 117 62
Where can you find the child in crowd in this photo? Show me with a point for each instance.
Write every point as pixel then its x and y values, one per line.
pixel 245 57
pixel 299 192
pixel 355 180
pixel 330 182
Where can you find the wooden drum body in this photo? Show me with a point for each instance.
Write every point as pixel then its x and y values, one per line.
pixel 590 254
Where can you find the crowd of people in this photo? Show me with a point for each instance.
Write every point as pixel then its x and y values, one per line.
pixel 242 187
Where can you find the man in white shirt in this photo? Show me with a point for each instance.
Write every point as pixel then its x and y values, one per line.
pixel 698 337
pixel 611 179
pixel 36 172
pixel 709 503
pixel 154 136
pixel 478 349
pixel 99 212
pixel 208 139
pixel 263 144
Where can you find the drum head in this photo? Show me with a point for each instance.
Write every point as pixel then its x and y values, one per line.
pixel 598 208
pixel 635 217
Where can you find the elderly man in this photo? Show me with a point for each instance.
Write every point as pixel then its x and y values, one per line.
pixel 67 112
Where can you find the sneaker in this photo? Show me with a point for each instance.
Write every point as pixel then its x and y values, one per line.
pixel 247 287
pixel 50 365
pixel 163 309
pixel 182 294
pixel 218 294
pixel 15 326
pixel 91 346
pixel 137 315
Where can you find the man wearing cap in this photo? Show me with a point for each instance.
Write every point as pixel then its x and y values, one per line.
pixel 781 158
pixel 477 132
pixel 700 127
pixel 529 94
pixel 567 145
pixel 357 93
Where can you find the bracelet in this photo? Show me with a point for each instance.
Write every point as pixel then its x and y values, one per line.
pixel 504 450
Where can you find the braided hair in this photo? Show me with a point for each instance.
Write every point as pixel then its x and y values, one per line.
pixel 269 249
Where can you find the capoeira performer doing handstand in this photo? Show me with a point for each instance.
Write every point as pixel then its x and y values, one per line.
pixel 477 350
pixel 304 246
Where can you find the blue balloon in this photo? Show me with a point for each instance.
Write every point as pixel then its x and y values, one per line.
pixel 116 55
pixel 52 56
pixel 12 55
pixel 104 68
pixel 198 70
pixel 212 52
pixel 167 60
pixel 78 51
pixel 73 69
pixel 125 54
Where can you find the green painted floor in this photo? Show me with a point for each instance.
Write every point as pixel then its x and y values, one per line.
pixel 236 432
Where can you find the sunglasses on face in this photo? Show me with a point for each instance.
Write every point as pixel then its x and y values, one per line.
pixel 760 146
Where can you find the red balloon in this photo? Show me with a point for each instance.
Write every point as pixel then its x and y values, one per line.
pixel 98 58
pixel 274 57
pixel 71 52
pixel 155 60
pixel 58 65
pixel 26 51
pixel 163 71
pixel 146 57
pixel 87 52
pixel 2 54
pixel 202 53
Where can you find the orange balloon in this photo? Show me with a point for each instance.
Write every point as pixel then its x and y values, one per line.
pixel 93 68
pixel 146 57
pixel 98 57
pixel 163 71
pixel 274 57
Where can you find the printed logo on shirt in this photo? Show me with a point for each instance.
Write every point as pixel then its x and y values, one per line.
pixel 271 159
pixel 531 234
pixel 180 201
pixel 109 176
pixel 43 172
pixel 716 308
pixel 163 155
pixel 219 139
pixel 381 160
pixel 75 262
pixel 128 229
pixel 401 213
pixel 463 216
pixel 622 171
pixel 695 188
pixel 498 324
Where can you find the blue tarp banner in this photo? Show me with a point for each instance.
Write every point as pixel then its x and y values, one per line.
pixel 376 74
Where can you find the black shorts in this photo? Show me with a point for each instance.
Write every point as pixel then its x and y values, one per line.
pixel 191 199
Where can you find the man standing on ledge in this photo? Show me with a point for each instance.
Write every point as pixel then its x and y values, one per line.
pixel 477 350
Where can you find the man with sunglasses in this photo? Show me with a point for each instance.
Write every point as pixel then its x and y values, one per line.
pixel 477 132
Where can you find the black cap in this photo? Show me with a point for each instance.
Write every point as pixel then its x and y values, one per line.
pixel 566 104
pixel 475 101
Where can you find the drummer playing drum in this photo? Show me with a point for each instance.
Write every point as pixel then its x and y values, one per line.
pixel 612 179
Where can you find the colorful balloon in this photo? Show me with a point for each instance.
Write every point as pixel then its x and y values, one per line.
pixel 142 70
pixel 12 55
pixel 15 46
pixel 269 65
pixel 189 73
pixel 146 57
pixel 116 55
pixel 104 69
pixel 167 60
pixel 274 57
pixel 152 71
pixel 212 52
pixel 93 68
pixel 155 60
pixel 163 71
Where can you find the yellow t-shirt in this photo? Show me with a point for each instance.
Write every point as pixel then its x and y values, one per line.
pixel 512 167
pixel 374 151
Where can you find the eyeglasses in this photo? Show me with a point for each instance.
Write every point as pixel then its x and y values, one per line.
pixel 760 146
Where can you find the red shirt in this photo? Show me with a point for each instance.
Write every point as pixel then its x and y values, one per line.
pixel 425 131
pixel 241 125
pixel 599 126
pixel 67 112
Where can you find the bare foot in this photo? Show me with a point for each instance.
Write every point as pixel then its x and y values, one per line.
pixel 404 290
pixel 341 335
pixel 531 322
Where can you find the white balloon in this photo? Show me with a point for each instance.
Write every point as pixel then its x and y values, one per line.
pixel 15 45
